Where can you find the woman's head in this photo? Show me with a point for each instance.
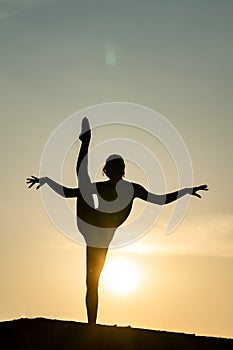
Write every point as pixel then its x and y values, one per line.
pixel 114 167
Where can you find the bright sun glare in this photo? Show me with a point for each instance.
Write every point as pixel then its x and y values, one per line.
pixel 121 275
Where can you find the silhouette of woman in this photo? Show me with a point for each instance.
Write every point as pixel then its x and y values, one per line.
pixel 115 199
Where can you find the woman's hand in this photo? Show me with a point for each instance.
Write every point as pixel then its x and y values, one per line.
pixel 31 181
pixel 194 190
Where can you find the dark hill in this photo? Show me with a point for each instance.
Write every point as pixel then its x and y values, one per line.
pixel 45 334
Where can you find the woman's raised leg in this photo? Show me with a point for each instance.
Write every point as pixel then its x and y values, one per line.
pixel 84 181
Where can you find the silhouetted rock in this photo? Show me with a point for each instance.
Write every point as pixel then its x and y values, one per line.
pixel 45 334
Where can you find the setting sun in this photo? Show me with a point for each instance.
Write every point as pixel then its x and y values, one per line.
pixel 121 275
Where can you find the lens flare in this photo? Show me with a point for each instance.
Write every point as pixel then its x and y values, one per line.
pixel 110 56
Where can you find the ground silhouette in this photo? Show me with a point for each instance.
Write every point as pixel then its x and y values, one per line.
pixel 40 333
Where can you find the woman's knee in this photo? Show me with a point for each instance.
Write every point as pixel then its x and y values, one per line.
pixel 92 279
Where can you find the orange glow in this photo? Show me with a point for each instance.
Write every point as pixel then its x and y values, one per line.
pixel 121 275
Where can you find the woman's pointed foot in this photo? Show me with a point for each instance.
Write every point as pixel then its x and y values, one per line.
pixel 85 134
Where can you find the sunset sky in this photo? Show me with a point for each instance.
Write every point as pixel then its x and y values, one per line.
pixel 173 56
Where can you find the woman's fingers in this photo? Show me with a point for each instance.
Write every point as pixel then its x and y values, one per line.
pixel 35 178
pixel 31 181
pixel 32 178
pixel 199 188
pixel 203 187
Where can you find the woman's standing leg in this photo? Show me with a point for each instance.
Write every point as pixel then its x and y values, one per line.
pixel 95 263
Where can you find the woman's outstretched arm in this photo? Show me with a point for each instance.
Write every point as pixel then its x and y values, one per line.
pixel 59 189
pixel 161 199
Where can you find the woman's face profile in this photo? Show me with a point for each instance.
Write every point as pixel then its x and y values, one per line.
pixel 114 168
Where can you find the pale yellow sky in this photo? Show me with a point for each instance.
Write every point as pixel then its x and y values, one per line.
pixel 58 57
